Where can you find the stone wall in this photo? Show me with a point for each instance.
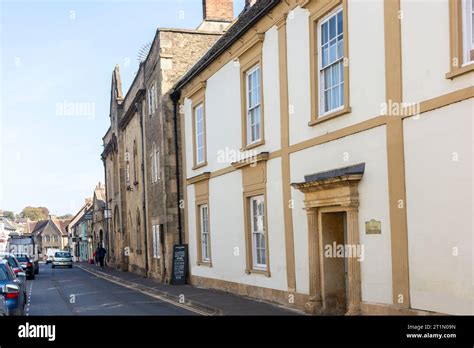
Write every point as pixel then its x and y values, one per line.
pixel 172 54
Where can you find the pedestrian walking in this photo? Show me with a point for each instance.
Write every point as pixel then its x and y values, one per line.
pixel 100 252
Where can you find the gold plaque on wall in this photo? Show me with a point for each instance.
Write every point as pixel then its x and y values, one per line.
pixel 373 227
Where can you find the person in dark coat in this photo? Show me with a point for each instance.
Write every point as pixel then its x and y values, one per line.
pixel 100 253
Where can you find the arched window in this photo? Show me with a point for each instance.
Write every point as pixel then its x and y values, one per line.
pixel 48 238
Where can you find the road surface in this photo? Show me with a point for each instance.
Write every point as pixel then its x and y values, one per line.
pixel 64 291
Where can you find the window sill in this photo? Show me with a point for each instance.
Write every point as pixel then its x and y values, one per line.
pixel 330 116
pixel 204 263
pixel 460 71
pixel 197 166
pixel 264 272
pixel 253 145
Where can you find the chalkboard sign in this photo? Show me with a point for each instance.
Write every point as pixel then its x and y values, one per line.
pixel 180 264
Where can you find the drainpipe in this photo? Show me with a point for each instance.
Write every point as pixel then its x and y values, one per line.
pixel 175 96
pixel 140 109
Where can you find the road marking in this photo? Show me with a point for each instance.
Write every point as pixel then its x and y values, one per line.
pixel 162 298
pixel 28 302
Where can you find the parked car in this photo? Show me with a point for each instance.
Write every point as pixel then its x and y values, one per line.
pixel 27 266
pixel 62 258
pixel 16 267
pixel 11 290
pixel 3 306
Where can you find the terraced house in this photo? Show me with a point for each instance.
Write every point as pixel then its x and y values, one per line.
pixel 327 156
pixel 140 156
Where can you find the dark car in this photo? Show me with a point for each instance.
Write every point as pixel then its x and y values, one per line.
pixel 27 266
pixel 11 290
pixel 16 267
pixel 3 307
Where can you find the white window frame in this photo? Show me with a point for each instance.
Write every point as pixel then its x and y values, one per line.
pixel 467 30
pixel 321 70
pixel 199 145
pixel 204 231
pixel 156 241
pixel 250 108
pixel 255 231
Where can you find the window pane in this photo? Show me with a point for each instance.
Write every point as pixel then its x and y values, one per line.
pixel 335 74
pixel 332 27
pixel 327 97
pixel 327 79
pixel 325 55
pixel 324 33
pixel 339 23
pixel 341 93
pixel 340 47
pixel 332 51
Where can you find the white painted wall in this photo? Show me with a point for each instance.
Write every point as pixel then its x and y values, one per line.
pixel 440 208
pixel 425 51
pixel 367 69
pixel 271 91
pixel 223 119
pixel 368 147
pixel 228 234
pixel 223 110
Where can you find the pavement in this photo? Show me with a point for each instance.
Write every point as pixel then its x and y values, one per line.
pixel 199 300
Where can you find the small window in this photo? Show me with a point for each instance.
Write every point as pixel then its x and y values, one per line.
pixel 200 134
pixel 152 99
pixel 155 165
pixel 468 30
pixel 253 105
pixel 257 224
pixel 330 65
pixel 127 174
pixel 135 162
pixel 205 245
pixel 156 231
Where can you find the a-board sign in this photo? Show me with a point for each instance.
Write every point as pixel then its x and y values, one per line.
pixel 180 264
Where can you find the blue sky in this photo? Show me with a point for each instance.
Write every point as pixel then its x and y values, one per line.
pixel 62 53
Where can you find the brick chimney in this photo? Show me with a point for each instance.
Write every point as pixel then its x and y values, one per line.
pixel 218 10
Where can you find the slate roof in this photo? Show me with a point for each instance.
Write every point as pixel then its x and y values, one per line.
pixel 246 19
pixel 334 173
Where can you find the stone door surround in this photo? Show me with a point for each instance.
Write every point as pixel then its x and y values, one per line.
pixel 332 191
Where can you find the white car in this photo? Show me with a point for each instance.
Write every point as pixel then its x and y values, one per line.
pixel 50 255
pixel 62 259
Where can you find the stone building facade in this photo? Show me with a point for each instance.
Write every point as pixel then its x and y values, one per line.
pixel 139 154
